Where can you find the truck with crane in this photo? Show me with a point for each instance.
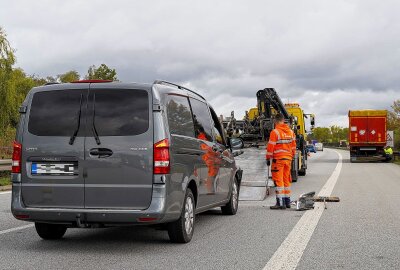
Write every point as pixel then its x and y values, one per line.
pixel 258 124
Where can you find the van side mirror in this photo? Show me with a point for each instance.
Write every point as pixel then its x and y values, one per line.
pixel 236 143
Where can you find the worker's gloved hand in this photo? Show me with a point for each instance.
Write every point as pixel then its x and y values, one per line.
pixel 268 162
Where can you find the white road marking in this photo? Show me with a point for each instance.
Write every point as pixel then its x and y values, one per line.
pixel 16 229
pixel 288 255
pixel 5 192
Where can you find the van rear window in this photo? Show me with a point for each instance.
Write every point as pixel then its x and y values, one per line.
pixel 55 113
pixel 116 112
pixel 120 112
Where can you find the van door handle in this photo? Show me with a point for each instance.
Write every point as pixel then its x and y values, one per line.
pixel 101 152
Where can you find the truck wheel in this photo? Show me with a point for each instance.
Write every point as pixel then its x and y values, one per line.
pixel 181 231
pixel 295 176
pixel 231 207
pixel 50 231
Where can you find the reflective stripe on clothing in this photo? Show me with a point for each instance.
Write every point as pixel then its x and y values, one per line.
pixel 279 191
pixel 286 190
pixel 281 151
pixel 277 134
pixel 282 177
pixel 282 142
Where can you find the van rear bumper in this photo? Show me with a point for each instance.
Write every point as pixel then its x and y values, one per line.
pixel 154 214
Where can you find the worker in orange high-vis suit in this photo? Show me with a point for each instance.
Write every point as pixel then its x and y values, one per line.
pixel 211 160
pixel 281 149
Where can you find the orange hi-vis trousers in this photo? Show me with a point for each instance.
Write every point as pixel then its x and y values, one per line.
pixel 281 175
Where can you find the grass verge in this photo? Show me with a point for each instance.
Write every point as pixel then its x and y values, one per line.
pixel 5 178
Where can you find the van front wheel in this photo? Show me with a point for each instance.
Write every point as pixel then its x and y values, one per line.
pixel 231 207
pixel 181 231
pixel 50 231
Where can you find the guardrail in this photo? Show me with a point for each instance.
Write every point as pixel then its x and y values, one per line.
pixel 5 164
pixel 5 161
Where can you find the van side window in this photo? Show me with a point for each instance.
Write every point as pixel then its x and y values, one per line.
pixel 219 138
pixel 179 116
pixel 202 121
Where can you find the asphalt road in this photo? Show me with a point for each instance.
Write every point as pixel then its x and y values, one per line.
pixel 360 232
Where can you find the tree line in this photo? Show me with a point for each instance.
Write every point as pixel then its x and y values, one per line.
pixel 393 122
pixel 333 134
pixel 15 84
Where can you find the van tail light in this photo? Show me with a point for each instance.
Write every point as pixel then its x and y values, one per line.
pixel 16 157
pixel 147 219
pixel 22 216
pixel 161 157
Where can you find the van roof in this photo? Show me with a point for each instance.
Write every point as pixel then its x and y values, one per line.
pixel 74 85
pixel 112 84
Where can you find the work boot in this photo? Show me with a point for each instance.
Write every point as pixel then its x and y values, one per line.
pixel 287 202
pixel 279 205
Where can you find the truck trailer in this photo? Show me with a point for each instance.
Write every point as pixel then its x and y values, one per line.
pixel 367 135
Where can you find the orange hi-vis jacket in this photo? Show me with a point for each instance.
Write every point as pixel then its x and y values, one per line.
pixel 282 143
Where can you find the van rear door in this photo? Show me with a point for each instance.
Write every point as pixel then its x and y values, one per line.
pixel 52 157
pixel 119 148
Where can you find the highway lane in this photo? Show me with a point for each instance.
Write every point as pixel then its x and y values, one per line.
pixel 245 241
pixel 363 230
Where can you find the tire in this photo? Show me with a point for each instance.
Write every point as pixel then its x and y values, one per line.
pixel 181 231
pixel 295 176
pixel 302 172
pixel 50 231
pixel 232 206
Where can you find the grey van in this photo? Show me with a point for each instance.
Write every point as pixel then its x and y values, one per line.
pixel 95 154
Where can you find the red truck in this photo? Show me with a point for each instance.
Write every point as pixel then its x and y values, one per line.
pixel 367 135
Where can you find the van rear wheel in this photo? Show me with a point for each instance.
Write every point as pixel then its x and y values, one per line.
pixel 50 231
pixel 181 231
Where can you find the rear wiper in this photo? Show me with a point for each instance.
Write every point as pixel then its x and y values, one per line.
pixel 72 139
pixel 96 135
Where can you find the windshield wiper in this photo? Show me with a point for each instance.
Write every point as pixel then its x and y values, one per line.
pixel 72 139
pixel 96 135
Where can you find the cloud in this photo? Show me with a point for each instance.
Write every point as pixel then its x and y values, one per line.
pixel 329 55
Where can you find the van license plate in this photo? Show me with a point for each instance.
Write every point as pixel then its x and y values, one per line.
pixel 54 169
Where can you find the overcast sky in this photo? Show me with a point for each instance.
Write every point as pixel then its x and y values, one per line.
pixel 330 56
